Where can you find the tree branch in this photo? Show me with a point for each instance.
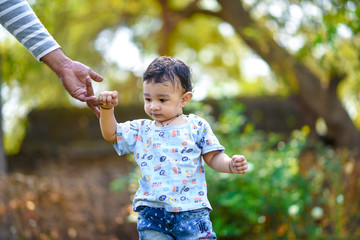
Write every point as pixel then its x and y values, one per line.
pixel 172 17
pixel 302 80
pixel 334 80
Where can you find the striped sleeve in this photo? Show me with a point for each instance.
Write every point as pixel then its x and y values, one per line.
pixel 21 21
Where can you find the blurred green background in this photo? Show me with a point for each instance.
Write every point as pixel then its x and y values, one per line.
pixel 294 64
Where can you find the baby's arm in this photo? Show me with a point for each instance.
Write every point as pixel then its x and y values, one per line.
pixel 221 162
pixel 108 124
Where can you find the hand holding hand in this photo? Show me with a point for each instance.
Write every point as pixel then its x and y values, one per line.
pixel 75 76
pixel 108 99
pixel 238 164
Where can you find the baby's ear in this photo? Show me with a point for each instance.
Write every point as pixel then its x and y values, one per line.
pixel 186 98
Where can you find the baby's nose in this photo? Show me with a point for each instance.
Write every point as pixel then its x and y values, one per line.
pixel 154 106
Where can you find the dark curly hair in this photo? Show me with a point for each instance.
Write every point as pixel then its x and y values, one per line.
pixel 164 69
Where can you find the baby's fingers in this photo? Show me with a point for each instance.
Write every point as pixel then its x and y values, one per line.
pixel 240 164
pixel 115 98
pixel 239 158
pixel 108 98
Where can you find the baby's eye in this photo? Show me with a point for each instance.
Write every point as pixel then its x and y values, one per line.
pixel 147 99
pixel 163 100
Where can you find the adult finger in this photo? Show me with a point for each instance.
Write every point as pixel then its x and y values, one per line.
pixel 89 88
pixel 89 92
pixel 91 101
pixel 95 76
pixel 93 108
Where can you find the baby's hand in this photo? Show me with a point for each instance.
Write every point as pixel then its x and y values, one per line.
pixel 238 164
pixel 108 99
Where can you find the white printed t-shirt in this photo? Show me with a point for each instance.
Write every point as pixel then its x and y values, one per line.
pixel 170 159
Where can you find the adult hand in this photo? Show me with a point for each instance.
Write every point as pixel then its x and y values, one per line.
pixel 93 102
pixel 75 76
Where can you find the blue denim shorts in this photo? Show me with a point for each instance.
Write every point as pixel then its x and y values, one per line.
pixel 158 224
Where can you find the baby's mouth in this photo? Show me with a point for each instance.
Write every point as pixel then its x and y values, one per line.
pixel 156 115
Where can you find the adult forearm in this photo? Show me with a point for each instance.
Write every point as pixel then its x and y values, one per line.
pixel 56 60
pixel 20 20
pixel 108 124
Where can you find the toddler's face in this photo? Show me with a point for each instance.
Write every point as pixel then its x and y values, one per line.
pixel 162 101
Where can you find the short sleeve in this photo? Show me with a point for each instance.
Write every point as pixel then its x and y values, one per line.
pixel 127 134
pixel 206 139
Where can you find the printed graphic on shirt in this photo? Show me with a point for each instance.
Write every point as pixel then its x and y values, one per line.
pixel 170 159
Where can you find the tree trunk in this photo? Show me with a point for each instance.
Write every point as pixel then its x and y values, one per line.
pixel 322 100
pixel 3 165
pixel 351 196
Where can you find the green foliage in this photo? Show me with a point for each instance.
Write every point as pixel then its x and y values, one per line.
pixel 273 200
